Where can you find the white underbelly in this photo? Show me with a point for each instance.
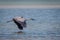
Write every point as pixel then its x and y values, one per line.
pixel 21 20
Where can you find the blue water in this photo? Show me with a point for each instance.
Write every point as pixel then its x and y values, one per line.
pixel 46 25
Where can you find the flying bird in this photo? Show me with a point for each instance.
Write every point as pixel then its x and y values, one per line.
pixel 20 22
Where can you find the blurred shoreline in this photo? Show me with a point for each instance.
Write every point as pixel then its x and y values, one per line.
pixel 29 6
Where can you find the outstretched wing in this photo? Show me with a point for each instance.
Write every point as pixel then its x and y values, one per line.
pixel 23 24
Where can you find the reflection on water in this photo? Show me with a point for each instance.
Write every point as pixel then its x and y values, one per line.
pixel 45 27
pixel 25 35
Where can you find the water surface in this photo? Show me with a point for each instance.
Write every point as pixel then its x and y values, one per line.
pixel 45 27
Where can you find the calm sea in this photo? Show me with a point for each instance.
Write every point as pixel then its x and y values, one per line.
pixel 46 25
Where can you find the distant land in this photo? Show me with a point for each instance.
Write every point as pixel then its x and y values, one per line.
pixel 29 2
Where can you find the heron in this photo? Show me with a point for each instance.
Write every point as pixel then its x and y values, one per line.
pixel 20 22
